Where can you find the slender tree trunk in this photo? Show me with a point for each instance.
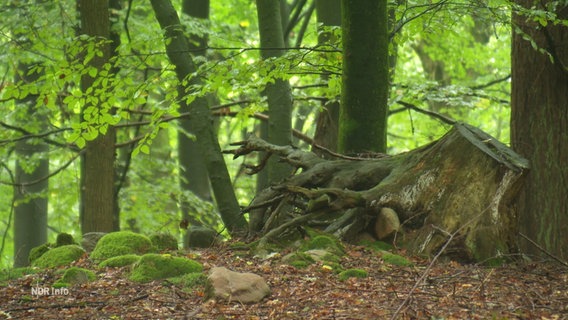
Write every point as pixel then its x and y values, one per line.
pixel 193 171
pixel 539 122
pixel 201 122
pixel 364 109
pixel 98 175
pixel 30 195
pixel 278 93
pixel 328 14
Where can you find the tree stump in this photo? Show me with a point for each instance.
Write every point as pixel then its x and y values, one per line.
pixel 459 188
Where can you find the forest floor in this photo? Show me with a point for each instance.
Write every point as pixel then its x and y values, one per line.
pixel 439 290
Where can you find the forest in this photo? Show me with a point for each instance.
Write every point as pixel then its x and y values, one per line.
pixel 435 130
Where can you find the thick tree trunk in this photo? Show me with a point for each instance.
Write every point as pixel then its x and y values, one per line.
pixel 98 175
pixel 461 185
pixel 364 108
pixel 539 122
pixel 201 122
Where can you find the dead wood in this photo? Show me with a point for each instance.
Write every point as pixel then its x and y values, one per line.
pixel 464 178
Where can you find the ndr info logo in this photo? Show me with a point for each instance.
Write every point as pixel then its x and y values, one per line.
pixel 49 291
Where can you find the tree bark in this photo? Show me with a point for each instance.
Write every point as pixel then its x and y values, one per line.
pixel 98 175
pixel 462 184
pixel 539 118
pixel 364 108
pixel 32 169
pixel 177 48
pixel 328 14
pixel 278 94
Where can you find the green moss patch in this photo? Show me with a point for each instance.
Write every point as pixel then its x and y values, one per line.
pixel 16 273
pixel 121 243
pixel 352 273
pixel 395 259
pixel 160 266
pixel 59 256
pixel 120 261
pixel 325 242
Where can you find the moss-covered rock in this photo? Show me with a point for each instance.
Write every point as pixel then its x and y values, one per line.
pixel 59 256
pixel 160 266
pixel 201 237
pixel 326 242
pixel 121 243
pixel 164 241
pixel 120 261
pixel 395 259
pixel 376 245
pixel 190 280
pixel 352 273
pixel 38 251
pixel 64 239
pixel 75 275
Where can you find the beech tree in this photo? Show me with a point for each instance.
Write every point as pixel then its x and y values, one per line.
pixel 539 119
pixel 364 95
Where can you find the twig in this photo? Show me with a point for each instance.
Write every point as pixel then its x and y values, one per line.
pixel 562 262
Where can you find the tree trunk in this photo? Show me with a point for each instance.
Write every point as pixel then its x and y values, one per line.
pixel 328 14
pixel 278 93
pixel 201 122
pixel 539 118
pixel 98 175
pixel 32 170
pixel 193 171
pixel 459 188
pixel 364 108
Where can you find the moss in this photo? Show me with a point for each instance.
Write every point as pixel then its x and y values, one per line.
pixel 121 243
pixel 38 251
pixel 120 261
pixel 11 274
pixel 395 259
pixel 59 256
pixel 352 273
pixel 164 241
pixel 300 264
pixel 326 242
pixel 189 280
pixel 376 245
pixel 76 275
pixel 160 266
pixel 64 239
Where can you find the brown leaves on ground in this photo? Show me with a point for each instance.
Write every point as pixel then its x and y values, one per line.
pixel 449 291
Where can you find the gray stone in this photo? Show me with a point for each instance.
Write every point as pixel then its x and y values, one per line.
pixel 225 284
pixel 201 237
pixel 90 240
pixel 387 223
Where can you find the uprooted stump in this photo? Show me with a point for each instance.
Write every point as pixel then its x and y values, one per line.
pixel 460 187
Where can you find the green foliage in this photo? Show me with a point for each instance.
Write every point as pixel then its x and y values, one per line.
pixel 121 243
pixel 120 261
pixel 160 266
pixel 59 256
pixel 352 273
